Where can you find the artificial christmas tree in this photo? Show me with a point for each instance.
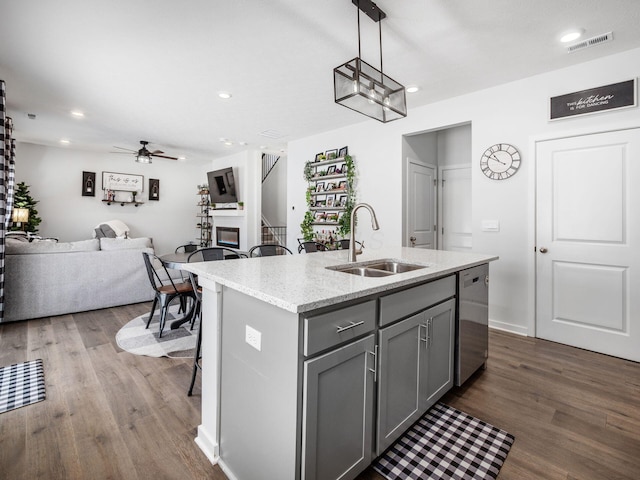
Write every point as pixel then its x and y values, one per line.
pixel 22 199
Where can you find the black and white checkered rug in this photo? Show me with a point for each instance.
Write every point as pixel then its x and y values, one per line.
pixel 21 384
pixel 447 444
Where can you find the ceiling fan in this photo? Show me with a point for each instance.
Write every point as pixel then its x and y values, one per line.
pixel 143 155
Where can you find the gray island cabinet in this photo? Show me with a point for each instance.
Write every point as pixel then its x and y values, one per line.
pixel 311 373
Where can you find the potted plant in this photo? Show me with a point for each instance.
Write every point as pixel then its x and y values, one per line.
pixel 240 205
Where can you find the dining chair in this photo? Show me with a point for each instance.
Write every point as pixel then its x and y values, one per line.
pixel 344 244
pixel 214 253
pixel 269 250
pixel 197 356
pixel 187 248
pixel 209 254
pixel 166 289
pixel 310 247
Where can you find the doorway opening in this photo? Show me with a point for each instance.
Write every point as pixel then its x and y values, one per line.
pixel 437 189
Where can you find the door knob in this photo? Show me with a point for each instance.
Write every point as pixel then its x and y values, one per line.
pixel 413 241
pixel 543 250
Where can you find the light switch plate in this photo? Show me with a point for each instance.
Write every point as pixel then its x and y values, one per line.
pixel 490 225
pixel 253 337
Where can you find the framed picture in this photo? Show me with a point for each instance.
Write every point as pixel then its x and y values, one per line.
pixel 330 201
pixel 331 170
pixel 320 187
pixel 122 181
pixel 341 201
pixel 344 151
pixel 331 154
pixel 319 157
pixel 342 185
pixel 330 186
pixel 332 217
pixel 320 216
pixel 154 189
pixel 88 184
pixel 343 169
pixel 321 201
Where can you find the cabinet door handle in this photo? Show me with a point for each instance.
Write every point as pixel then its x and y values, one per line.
pixel 349 327
pixel 374 370
pixel 426 338
pixel 430 331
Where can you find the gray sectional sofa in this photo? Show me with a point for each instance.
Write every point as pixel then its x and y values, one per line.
pixel 47 278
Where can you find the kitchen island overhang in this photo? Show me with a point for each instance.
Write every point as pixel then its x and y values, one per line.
pixel 284 290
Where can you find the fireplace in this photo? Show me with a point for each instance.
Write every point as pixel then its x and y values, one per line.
pixel 228 237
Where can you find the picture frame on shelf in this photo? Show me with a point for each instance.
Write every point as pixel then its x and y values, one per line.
pixel 331 154
pixel 341 201
pixel 320 216
pixel 319 187
pixel 342 185
pixel 330 186
pixel 344 151
pixel 319 157
pixel 321 201
pixel 330 201
pixel 343 168
pixel 331 170
pixel 332 217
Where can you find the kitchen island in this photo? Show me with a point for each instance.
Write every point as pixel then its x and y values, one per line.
pixel 310 372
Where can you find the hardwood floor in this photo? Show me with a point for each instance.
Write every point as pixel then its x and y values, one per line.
pixel 109 414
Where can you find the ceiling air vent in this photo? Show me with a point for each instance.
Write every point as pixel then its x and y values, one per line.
pixel 591 42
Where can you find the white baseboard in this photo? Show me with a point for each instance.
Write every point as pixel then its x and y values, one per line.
pixel 208 445
pixel 509 327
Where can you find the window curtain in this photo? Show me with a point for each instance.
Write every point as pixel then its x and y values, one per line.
pixel 7 183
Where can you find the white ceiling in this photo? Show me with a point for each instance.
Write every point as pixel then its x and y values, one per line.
pixel 151 69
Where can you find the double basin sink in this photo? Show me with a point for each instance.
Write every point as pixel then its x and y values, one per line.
pixel 377 268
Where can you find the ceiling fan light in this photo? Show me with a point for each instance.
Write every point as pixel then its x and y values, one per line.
pixel 143 158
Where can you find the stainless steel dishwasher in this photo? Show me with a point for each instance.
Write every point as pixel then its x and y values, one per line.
pixel 472 324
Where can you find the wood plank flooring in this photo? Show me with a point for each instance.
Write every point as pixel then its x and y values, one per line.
pixel 112 415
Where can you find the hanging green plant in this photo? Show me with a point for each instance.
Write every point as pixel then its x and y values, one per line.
pixel 306 227
pixel 308 171
pixel 344 223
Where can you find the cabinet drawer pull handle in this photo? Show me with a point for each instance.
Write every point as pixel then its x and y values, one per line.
pixel 350 326
pixel 425 339
pixel 374 370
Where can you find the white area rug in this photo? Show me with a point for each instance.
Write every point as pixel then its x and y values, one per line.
pixel 179 343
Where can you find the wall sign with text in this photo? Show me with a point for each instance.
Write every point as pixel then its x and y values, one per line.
pixel 593 100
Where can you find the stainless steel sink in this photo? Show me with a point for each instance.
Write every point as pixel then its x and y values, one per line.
pixel 396 267
pixel 365 272
pixel 377 268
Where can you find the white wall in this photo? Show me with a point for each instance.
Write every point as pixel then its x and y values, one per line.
pixel 54 175
pixel 515 113
pixel 274 194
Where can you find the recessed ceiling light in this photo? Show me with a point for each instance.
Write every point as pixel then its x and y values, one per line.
pixel 412 89
pixel 77 113
pixel 224 95
pixel 228 143
pixel 64 141
pixel 571 35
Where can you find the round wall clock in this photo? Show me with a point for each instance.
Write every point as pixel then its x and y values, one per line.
pixel 500 161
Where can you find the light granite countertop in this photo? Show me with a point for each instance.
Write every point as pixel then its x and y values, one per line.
pixel 301 282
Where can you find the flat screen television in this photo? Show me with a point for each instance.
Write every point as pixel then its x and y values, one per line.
pixel 222 186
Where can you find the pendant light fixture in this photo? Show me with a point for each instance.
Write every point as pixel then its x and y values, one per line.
pixel 365 89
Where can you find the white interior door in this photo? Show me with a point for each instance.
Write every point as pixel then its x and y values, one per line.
pixel 421 205
pixel 588 245
pixel 455 208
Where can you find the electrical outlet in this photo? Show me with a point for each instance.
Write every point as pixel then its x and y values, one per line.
pixel 253 337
